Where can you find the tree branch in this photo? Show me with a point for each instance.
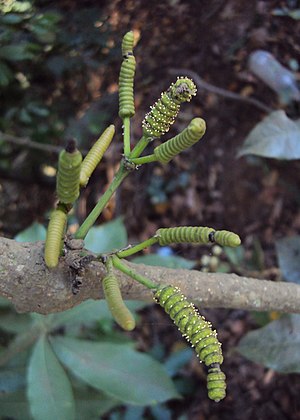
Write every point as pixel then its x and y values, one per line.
pixel 29 144
pixel 32 287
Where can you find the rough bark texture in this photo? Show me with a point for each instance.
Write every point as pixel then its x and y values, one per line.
pixel 32 287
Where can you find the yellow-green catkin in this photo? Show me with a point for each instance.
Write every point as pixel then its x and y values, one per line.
pixel 126 78
pixel 117 307
pixel 55 233
pixel 95 155
pixel 67 180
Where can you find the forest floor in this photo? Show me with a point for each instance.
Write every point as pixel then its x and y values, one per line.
pixel 209 185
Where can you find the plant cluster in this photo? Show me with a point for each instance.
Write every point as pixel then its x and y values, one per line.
pixel 74 173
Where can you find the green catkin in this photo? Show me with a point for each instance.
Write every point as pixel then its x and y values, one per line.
pixel 126 78
pixel 187 138
pixel 118 309
pixel 163 113
pixel 127 43
pixel 226 238
pixel 198 332
pixel 196 234
pixel 182 234
pixel 95 155
pixel 216 383
pixel 55 233
pixel 68 174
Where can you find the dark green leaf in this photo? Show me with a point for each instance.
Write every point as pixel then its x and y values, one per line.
pixel 177 360
pixel 170 261
pixel 49 389
pixel 134 413
pixel 38 109
pixel 14 406
pixel 84 314
pixel 277 136
pixel 6 75
pixel 276 345
pixel 11 19
pixel 14 322
pixel 295 14
pixel 235 255
pixel 285 11
pixel 4 302
pixel 11 380
pixel 87 313
pixel 35 232
pixel 15 52
pixel 118 370
pixel 161 412
pixel 91 404
pixel 107 237
pixel 288 252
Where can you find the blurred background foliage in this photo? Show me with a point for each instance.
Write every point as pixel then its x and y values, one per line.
pixel 47 60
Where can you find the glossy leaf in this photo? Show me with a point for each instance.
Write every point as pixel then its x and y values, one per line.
pixel 49 389
pixel 288 252
pixel 107 237
pixel 118 370
pixel 276 345
pixel 276 136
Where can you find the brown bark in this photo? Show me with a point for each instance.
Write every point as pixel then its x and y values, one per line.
pixel 32 287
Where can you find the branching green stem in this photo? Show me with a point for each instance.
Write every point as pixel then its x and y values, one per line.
pixel 132 273
pixel 126 136
pixel 95 213
pixel 119 177
pixel 144 159
pixel 136 248
pixel 140 146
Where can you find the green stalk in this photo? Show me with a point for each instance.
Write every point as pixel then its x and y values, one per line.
pixel 126 136
pixel 119 177
pixel 144 159
pixel 97 210
pixel 132 273
pixel 140 146
pixel 134 249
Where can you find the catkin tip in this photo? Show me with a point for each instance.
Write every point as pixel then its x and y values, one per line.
pixel 235 240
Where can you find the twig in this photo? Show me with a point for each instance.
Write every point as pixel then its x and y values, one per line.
pixel 27 143
pixel 201 84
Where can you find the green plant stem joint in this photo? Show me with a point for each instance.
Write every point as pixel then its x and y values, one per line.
pixel 198 332
pixel 129 165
